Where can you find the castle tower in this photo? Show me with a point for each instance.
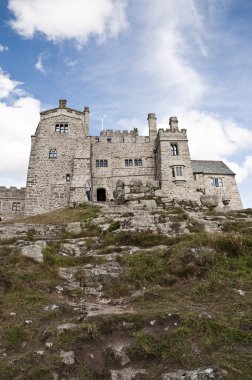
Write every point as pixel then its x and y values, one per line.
pixel 173 161
pixel 59 160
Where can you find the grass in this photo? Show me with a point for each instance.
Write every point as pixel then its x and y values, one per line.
pixel 62 216
pixel 192 280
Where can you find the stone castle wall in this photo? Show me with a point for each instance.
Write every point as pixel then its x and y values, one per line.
pixel 64 156
pixel 229 189
pixel 118 148
pixel 54 179
pixel 12 202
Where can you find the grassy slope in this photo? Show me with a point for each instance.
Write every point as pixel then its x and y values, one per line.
pixel 189 288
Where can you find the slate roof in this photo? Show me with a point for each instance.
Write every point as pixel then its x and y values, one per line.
pixel 211 167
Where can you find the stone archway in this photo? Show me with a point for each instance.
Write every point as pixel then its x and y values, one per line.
pixel 101 195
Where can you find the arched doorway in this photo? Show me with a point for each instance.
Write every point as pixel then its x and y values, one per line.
pixel 101 195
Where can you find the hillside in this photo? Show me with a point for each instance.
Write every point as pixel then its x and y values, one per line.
pixel 143 291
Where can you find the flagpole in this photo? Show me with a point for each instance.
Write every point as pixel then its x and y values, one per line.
pixel 103 115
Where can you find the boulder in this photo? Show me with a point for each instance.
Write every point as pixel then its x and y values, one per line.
pixel 209 201
pixel 74 228
pixel 34 251
pixel 67 357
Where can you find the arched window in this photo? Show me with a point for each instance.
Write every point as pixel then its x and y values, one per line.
pixel 53 153
pixel 68 177
pixel 174 149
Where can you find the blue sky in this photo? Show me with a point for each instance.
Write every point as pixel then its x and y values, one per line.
pixel 126 58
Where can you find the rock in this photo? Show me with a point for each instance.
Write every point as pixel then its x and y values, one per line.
pixel 74 228
pixel 28 322
pixel 67 357
pixel 34 251
pixel 49 344
pixel 209 201
pixel 127 374
pixel 70 250
pixel 41 352
pixel 66 327
pixel 150 204
pixel 51 307
pixel 137 293
pixel 197 374
pixel 117 354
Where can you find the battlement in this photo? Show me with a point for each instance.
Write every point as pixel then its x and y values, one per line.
pixel 12 192
pixel 116 133
pixel 172 134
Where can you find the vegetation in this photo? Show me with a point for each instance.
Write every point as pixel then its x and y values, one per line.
pixel 186 301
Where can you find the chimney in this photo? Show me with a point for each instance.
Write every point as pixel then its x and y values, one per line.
pixel 173 122
pixel 86 119
pixel 62 103
pixel 152 125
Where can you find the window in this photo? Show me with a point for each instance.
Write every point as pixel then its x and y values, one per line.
pixel 61 128
pixel 177 171
pixel 128 162
pixel 217 182
pixel 15 206
pixel 53 153
pixel 97 139
pixel 68 177
pixel 138 162
pixel 174 149
pixel 109 139
pixel 101 163
pixel 122 139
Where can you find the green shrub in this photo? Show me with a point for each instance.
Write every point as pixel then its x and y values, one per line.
pixel 14 337
pixel 114 226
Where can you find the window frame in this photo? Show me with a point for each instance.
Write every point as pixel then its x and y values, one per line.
pixel 61 128
pixel 174 149
pixel 16 206
pixel 102 163
pixel 53 154
pixel 217 182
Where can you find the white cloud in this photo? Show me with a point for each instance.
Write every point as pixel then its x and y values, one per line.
pixel 39 65
pixel 171 31
pixel 7 85
pixel 3 48
pixel 63 19
pixel 18 122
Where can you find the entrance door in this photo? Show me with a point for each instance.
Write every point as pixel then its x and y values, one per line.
pixel 101 195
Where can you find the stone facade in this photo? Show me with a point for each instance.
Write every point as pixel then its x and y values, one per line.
pixel 64 157
pixel 12 202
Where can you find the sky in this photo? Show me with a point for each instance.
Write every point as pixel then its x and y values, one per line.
pixel 124 59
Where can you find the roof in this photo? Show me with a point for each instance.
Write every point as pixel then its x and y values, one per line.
pixel 211 167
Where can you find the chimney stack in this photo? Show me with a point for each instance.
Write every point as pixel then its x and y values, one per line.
pixel 173 122
pixel 62 103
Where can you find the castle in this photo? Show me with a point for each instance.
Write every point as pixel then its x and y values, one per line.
pixel 64 157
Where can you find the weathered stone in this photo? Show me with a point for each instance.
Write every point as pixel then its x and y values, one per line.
pixel 74 228
pixel 209 201
pixel 70 249
pixel 117 354
pixel 197 374
pixel 127 374
pixel 34 251
pixel 67 357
